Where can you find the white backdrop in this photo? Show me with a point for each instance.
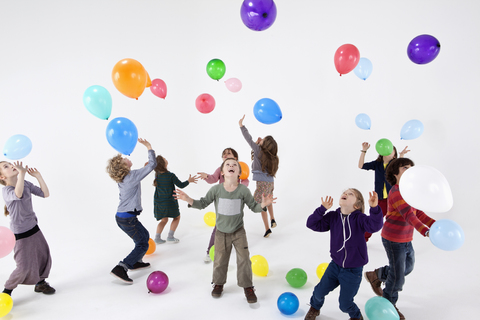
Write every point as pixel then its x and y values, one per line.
pixel 51 51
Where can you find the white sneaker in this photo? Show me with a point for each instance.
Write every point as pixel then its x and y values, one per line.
pixel 207 259
pixel 173 240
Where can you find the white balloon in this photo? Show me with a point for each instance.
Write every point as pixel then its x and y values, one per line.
pixel 425 188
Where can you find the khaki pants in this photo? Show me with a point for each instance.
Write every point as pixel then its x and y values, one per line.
pixel 223 249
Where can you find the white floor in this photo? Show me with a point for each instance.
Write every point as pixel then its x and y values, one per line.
pixel 442 285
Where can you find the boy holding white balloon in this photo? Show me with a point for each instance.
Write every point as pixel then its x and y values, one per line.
pixel 397 236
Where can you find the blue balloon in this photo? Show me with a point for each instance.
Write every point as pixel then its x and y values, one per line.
pixel 98 101
pixel 363 121
pixel 17 147
pixel 122 135
pixel 364 68
pixel 288 303
pixel 379 308
pixel 267 111
pixel 446 235
pixel 411 130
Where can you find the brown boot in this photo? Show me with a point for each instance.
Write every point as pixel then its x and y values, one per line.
pixel 402 317
pixel 250 295
pixel 361 318
pixel 217 290
pixel 376 284
pixel 312 313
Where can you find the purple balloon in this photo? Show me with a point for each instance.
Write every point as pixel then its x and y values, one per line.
pixel 258 15
pixel 157 282
pixel 423 49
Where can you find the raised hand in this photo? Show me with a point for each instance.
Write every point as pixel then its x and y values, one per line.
pixel 365 146
pixel 268 200
pixel 328 202
pixel 33 172
pixel 373 200
pixel 203 175
pixel 240 123
pixel 404 152
pixel 19 166
pixel 145 143
pixel 193 179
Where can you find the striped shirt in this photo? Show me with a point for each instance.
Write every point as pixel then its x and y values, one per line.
pixel 401 219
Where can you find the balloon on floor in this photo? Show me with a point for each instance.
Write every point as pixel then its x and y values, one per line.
pixel 296 277
pixel 321 269
pixel 151 246
pixel 157 282
pixel 379 308
pixel 288 303
pixel 6 304
pixel 259 265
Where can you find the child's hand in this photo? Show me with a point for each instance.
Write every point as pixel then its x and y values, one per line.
pixel 240 123
pixel 34 172
pixel 365 146
pixel 373 201
pixel 328 202
pixel 404 152
pixel 145 143
pixel 268 200
pixel 203 175
pixel 192 179
pixel 19 166
pixel 179 194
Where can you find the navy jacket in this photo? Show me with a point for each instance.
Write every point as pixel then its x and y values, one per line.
pixel 379 176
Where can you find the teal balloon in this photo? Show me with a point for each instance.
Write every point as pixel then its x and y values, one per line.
pixel 446 234
pixel 379 308
pixel 267 111
pixel 411 130
pixel 364 68
pixel 384 147
pixel 363 121
pixel 98 101
pixel 17 147
pixel 296 277
pixel 122 135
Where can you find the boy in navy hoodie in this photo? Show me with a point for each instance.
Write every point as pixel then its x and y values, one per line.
pixel 348 248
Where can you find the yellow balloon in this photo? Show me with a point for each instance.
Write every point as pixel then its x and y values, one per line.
pixel 321 269
pixel 210 218
pixel 259 265
pixel 6 304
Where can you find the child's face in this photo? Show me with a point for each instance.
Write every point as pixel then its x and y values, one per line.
pixel 127 162
pixel 401 170
pixel 227 154
pixel 347 201
pixel 7 170
pixel 231 169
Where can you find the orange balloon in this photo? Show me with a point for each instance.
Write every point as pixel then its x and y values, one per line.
pixel 245 171
pixel 130 78
pixel 151 246
pixel 149 81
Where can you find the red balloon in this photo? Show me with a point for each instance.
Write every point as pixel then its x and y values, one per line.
pixel 159 88
pixel 346 58
pixel 205 103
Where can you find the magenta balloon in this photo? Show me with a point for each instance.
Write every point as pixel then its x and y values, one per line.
pixel 423 49
pixel 7 241
pixel 157 282
pixel 258 15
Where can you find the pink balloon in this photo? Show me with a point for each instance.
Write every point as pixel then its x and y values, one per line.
pixel 7 241
pixel 157 282
pixel 346 58
pixel 233 84
pixel 205 103
pixel 159 88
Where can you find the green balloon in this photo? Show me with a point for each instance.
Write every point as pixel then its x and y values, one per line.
pixel 384 147
pixel 211 253
pixel 216 69
pixel 296 277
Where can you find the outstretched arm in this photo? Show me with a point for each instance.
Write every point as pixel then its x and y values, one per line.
pixel 20 178
pixel 363 152
pixel 179 194
pixel 36 174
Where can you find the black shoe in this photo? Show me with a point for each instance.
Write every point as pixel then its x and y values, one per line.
pixel 44 287
pixel 121 274
pixel 7 291
pixel 267 233
pixel 273 223
pixel 140 265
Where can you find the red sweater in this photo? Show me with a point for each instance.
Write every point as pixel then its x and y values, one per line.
pixel 401 218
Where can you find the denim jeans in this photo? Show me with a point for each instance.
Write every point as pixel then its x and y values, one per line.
pixel 348 279
pixel 401 260
pixel 140 236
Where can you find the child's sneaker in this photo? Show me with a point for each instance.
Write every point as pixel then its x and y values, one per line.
pixel 267 233
pixel 173 240
pixel 273 223
pixel 121 274
pixel 159 241
pixel 217 290
pixel 44 287
pixel 250 295
pixel 140 265
pixel 207 259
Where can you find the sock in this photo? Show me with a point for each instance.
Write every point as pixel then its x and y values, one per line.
pixel 170 234
pixel 157 236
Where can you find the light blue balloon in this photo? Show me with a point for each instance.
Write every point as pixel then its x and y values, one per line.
pixel 122 135
pixel 17 147
pixel 98 101
pixel 411 130
pixel 267 111
pixel 379 308
pixel 364 68
pixel 288 303
pixel 363 121
pixel 446 235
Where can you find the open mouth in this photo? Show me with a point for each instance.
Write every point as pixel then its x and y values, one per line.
pixel 231 171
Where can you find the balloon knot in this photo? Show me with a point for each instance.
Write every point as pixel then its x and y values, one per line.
pixel 265 15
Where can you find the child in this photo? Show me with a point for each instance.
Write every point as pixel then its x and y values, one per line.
pixel 230 197
pixel 397 236
pixel 165 205
pixel 32 254
pixel 129 208
pixel 348 248
pixel 212 178
pixel 382 187
pixel 264 168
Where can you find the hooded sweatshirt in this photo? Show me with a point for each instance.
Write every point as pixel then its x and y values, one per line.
pixel 348 247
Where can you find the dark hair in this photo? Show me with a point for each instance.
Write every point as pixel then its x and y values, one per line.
pixel 395 156
pixel 394 168
pixel 160 168
pixel 235 154
pixel 239 166
pixel 269 158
